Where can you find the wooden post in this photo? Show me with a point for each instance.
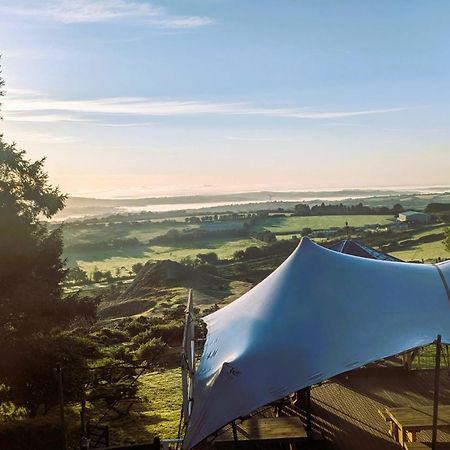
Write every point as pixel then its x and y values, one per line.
pixel 308 412
pixel 84 443
pixel 235 435
pixel 437 371
pixel 61 406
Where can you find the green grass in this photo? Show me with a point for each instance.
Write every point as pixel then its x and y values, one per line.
pixel 163 391
pixel 110 259
pixel 426 358
pixel 145 233
pixel 294 224
pixel 157 413
pixel 429 252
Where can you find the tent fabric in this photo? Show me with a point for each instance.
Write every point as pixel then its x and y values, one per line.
pixel 357 248
pixel 321 313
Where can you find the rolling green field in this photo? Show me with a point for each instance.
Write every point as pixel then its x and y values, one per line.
pixel 294 224
pixel 429 252
pixel 113 259
pixel 110 260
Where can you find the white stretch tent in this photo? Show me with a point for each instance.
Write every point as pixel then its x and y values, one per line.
pixel 319 314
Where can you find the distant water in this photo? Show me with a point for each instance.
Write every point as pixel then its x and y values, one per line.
pixel 75 213
pixel 184 206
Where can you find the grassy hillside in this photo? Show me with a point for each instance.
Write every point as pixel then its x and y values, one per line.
pixel 294 224
pixel 113 259
pixel 157 413
pixel 429 252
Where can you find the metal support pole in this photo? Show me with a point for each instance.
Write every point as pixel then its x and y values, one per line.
pixel 235 435
pixel 61 406
pixel 308 412
pixel 437 371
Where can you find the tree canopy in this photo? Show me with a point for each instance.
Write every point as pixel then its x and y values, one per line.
pixel 32 268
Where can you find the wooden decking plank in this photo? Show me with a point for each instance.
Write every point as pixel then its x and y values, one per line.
pixel 266 429
pixel 346 409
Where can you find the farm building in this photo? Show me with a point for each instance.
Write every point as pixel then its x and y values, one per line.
pixel 414 217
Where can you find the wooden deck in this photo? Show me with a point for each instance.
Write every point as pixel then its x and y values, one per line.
pixel 266 430
pixel 345 410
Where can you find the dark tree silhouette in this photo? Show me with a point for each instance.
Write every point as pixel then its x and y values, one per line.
pixel 32 269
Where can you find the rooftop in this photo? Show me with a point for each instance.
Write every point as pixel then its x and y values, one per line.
pixel 357 248
pixel 413 213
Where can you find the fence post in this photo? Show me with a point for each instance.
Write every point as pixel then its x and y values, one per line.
pixel 308 412
pixel 84 442
pixel 235 435
pixel 61 406
pixel 437 371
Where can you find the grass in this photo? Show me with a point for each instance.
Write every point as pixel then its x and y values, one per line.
pixel 157 413
pixel 110 260
pixel 163 391
pixel 429 252
pixel 294 224
pixel 426 358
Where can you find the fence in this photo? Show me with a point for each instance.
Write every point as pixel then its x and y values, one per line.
pixel 424 358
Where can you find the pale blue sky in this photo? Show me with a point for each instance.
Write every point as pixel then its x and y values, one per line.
pixel 153 97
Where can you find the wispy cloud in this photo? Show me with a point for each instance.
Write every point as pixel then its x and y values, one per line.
pixel 20 116
pixel 32 106
pixel 94 11
pixel 47 138
pixel 259 138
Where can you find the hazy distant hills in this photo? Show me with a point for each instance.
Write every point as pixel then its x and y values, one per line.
pixel 236 197
pixel 78 207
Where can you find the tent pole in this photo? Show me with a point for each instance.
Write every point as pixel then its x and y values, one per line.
pixel 235 436
pixel 437 370
pixel 308 411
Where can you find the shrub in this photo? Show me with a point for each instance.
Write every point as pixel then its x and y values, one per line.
pixel 41 433
pixel 122 354
pixel 142 338
pixel 208 268
pixel 152 350
pixel 171 333
pixel 110 336
pixel 134 327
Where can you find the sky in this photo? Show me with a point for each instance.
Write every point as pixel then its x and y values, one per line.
pixel 139 98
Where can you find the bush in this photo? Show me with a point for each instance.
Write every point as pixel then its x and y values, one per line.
pixel 208 258
pixel 208 268
pixel 110 336
pixel 171 333
pixel 28 369
pixel 122 354
pixel 152 350
pixel 134 327
pixel 42 433
pixel 142 338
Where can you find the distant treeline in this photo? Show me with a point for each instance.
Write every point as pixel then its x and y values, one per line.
pixel 112 244
pixel 435 208
pixel 174 236
pixel 304 209
pixel 283 247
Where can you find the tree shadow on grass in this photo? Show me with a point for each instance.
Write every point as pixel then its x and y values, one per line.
pixel 91 256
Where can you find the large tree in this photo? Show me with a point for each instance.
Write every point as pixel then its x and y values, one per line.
pixel 33 311
pixel 32 268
